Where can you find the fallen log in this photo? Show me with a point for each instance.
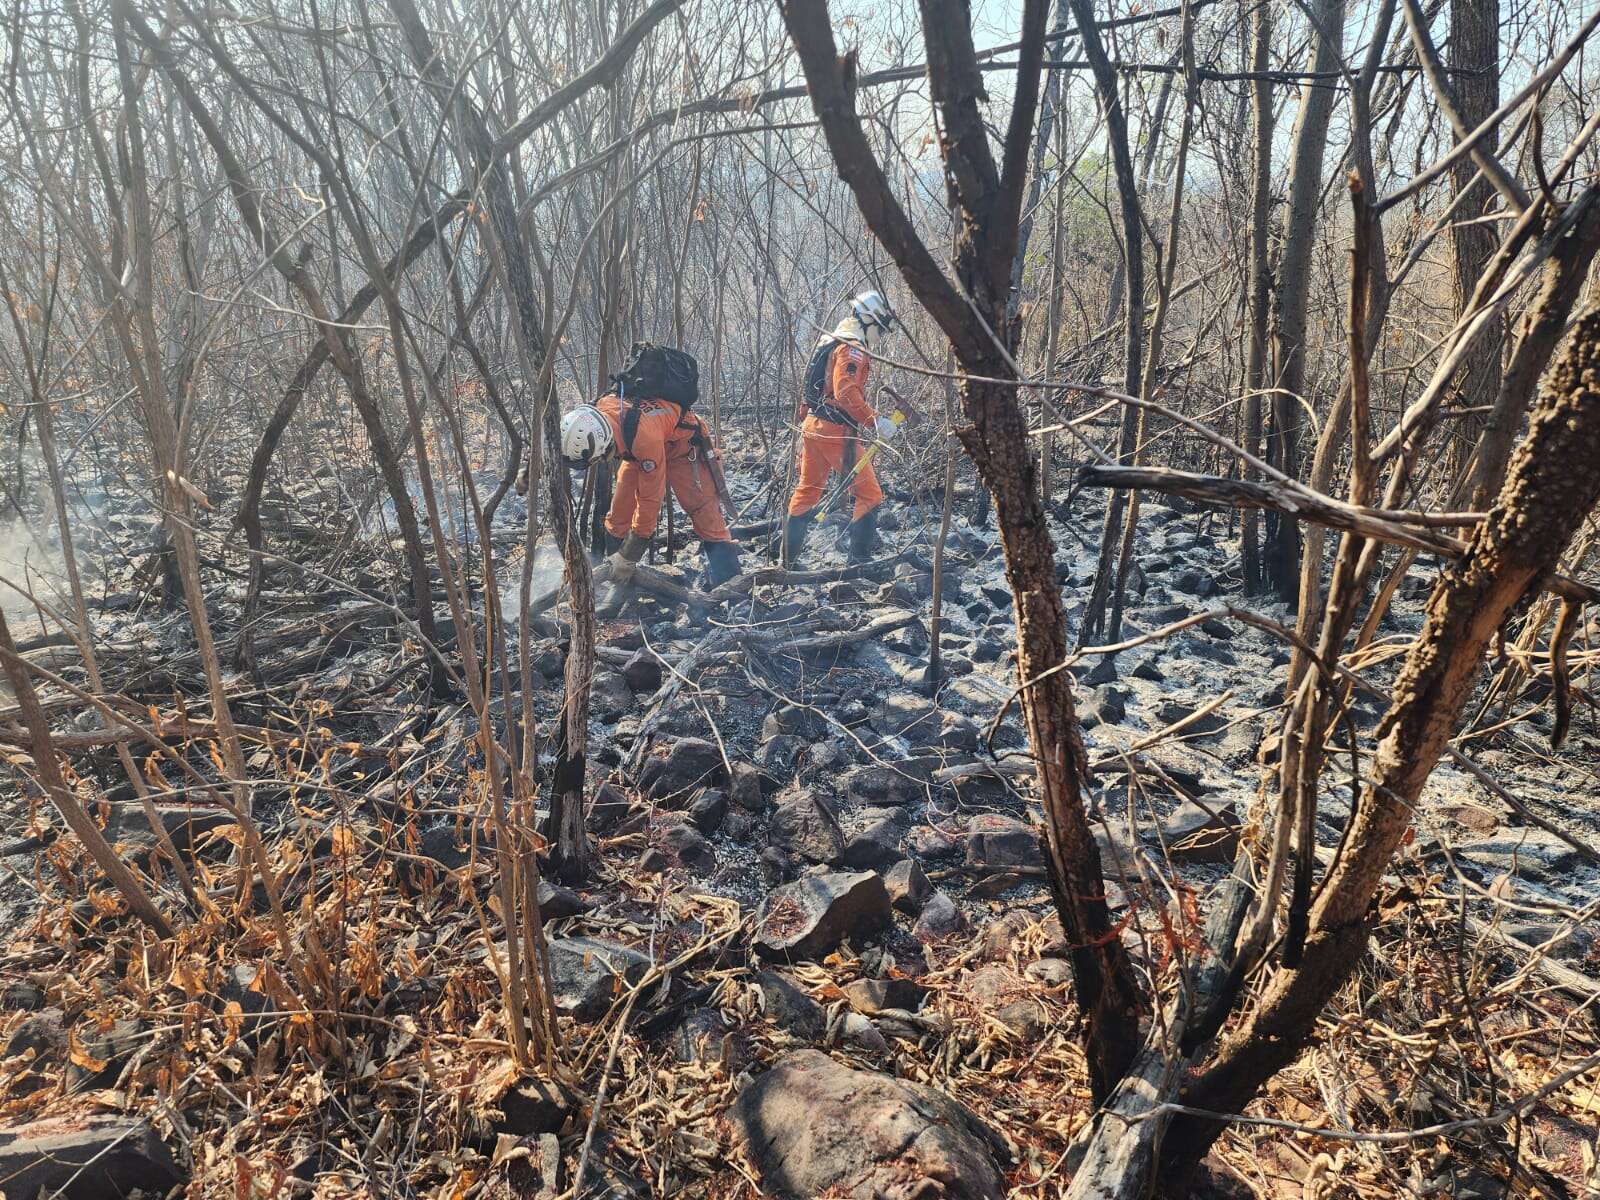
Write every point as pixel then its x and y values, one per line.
pixel 1413 529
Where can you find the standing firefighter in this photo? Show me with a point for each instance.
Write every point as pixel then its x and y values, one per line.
pixel 647 424
pixel 836 419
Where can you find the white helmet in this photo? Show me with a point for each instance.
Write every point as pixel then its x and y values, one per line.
pixel 585 436
pixel 873 311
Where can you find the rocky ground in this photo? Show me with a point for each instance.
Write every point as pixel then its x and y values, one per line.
pixel 818 957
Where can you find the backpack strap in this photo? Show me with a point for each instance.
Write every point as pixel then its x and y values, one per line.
pixel 631 412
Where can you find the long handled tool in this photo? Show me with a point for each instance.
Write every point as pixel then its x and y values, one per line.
pixel 903 414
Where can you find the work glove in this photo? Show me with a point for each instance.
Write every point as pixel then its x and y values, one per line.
pixel 627 557
pixel 886 429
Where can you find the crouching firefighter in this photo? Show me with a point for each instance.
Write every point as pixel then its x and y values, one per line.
pixel 646 423
pixel 836 418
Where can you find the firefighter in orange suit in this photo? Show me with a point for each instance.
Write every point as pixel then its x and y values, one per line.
pixel 660 445
pixel 836 419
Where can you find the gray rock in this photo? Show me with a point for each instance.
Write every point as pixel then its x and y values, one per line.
pixel 1105 706
pixel 1529 853
pixel 114 1047
pixel 777 756
pixel 1195 583
pixel 44 1034
pixel 790 1008
pixel 810 917
pixel 750 787
pixel 1192 834
pixel 548 658
pixel 683 843
pixel 1149 671
pixel 21 996
pixel 872 996
pixel 996 841
pixel 1171 712
pixel 129 829
pixel 587 974
pixel 1564 941
pixel 804 723
pixel 1001 934
pixel 988 650
pixel 1052 972
pixel 78 1157
pixel 813 1127
pixel 531 1106
pixel 556 903
pixel 688 764
pixel 708 809
pixel 912 640
pixel 860 1031
pixel 740 826
pixel 803 826
pixel 1103 671
pixel 643 672
pixel 876 787
pixel 610 696
pixel 608 809
pixel 940 919
pixel 908 885
pixel 958 733
pixel 699 1038
pixel 874 840
pixel 1023 1018
pixel 906 714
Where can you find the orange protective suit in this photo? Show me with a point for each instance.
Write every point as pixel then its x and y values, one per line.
pixel 662 453
pixel 828 445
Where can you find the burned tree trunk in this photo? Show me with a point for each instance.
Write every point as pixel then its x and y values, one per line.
pixel 987 201
pixel 1473 56
pixel 1110 95
pixel 1553 484
pixel 1294 283
pixel 1260 283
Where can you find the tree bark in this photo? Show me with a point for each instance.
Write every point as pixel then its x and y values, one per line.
pixel 1473 56
pixel 1294 282
pixel 986 202
pixel 1553 484
pixel 1260 282
pixel 1105 78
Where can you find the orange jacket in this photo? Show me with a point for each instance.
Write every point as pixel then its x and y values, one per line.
pixel 848 368
pixel 664 435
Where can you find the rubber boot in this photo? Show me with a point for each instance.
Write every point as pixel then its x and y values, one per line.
pixel 794 538
pixel 722 561
pixel 863 537
pixel 613 543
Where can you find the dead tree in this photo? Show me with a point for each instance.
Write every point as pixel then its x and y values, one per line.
pixel 985 199
pixel 1294 281
pixel 1110 95
pixel 1260 280
pixel 1473 55
pixel 1552 486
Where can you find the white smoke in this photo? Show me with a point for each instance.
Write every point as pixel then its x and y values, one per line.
pixel 547 568
pixel 31 561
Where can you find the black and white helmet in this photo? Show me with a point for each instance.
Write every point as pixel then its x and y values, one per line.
pixel 585 436
pixel 873 311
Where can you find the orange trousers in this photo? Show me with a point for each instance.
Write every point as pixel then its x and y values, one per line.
pixel 826 448
pixel 690 481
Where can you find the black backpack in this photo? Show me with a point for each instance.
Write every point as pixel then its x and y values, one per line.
pixel 816 385
pixel 659 373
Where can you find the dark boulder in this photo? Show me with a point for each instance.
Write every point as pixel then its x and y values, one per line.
pixel 813 1127
pixel 587 974
pixel 687 764
pixel 92 1157
pixel 810 917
